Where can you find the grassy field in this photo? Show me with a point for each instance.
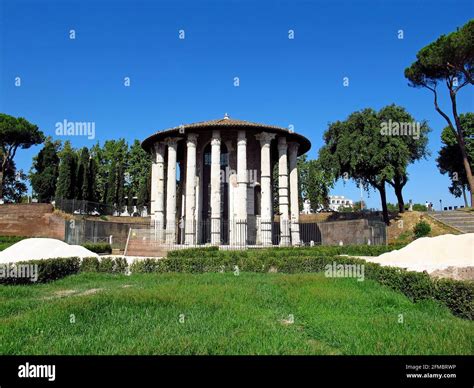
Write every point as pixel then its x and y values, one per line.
pixel 218 313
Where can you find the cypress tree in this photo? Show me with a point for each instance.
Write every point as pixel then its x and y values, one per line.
pixel 110 197
pixel 45 170
pixel 82 181
pixel 65 187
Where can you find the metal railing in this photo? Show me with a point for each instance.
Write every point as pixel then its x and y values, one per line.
pixel 233 233
pixel 83 207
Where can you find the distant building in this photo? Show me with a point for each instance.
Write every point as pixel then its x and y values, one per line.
pixel 338 201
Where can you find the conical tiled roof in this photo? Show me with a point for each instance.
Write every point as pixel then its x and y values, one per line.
pixel 224 123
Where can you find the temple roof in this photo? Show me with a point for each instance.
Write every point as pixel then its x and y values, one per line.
pixel 225 123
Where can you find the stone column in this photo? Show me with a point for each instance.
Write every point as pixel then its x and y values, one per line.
pixel 216 188
pixel 294 205
pixel 242 183
pixel 158 189
pixel 190 220
pixel 266 187
pixel 172 144
pixel 283 191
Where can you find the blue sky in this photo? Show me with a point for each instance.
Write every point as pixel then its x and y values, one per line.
pixel 283 82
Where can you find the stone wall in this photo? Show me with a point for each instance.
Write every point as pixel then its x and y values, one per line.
pixel 354 232
pixel 30 220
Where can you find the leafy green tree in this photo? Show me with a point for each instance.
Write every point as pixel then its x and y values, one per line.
pixel 45 170
pixel 66 186
pixel 355 149
pixel 359 205
pixel 315 187
pixel 360 148
pixel 449 61
pixel 408 148
pixel 111 162
pixel 138 171
pixel 15 133
pixel 14 184
pixel 450 160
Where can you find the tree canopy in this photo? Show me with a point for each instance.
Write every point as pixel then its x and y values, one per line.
pixel 450 159
pixel 359 149
pixel 15 133
pixel 45 170
pixel 448 61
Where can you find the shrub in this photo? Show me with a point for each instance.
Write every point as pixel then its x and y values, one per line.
pixel 458 296
pixel 419 207
pixel 194 252
pixel 89 264
pixel 105 264
pixel 53 269
pixel 48 270
pixel 120 265
pixel 421 229
pixel 98 247
pixel 320 250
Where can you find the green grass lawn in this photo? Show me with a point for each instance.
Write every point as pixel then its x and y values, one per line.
pixel 223 314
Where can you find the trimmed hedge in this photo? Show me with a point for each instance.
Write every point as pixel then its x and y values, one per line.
pixel 456 295
pixel 54 269
pixel 319 250
pixel 106 264
pixel 98 247
pixel 48 270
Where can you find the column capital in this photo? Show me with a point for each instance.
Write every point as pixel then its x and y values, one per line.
pixel 293 146
pixel 241 138
pixel 192 139
pixel 158 146
pixel 265 138
pixel 282 145
pixel 158 152
pixel 216 138
pixel 172 141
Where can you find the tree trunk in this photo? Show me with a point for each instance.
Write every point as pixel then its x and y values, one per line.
pixel 398 183
pixel 462 146
pixel 464 196
pixel 383 198
pixel 467 167
pixel 398 193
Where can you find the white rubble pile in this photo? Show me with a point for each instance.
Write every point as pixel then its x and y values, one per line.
pixel 431 253
pixel 42 248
